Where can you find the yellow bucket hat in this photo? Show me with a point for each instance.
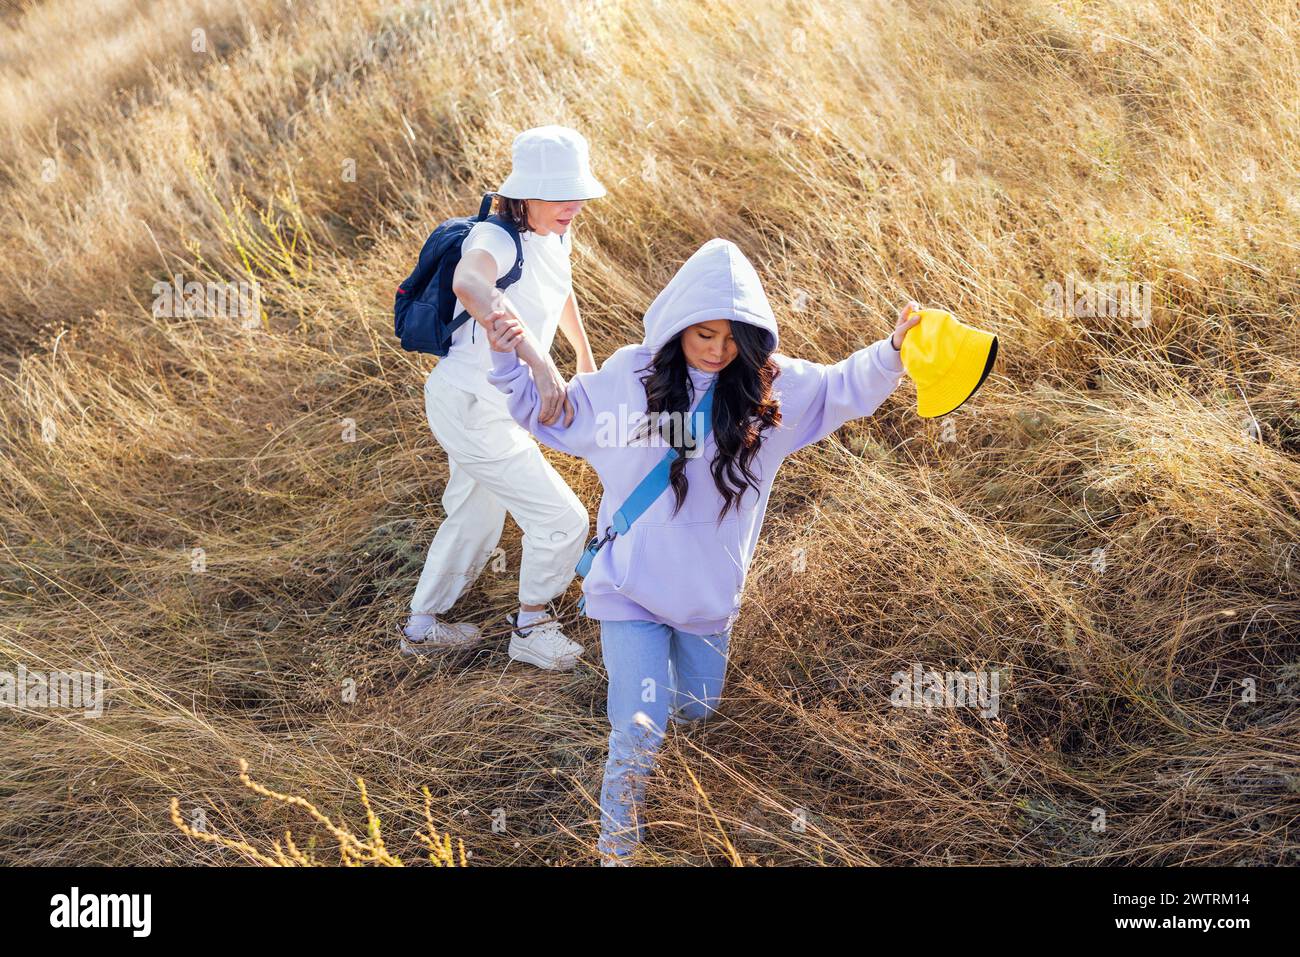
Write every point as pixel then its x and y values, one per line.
pixel 948 360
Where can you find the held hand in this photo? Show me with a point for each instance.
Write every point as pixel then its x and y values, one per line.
pixel 553 391
pixel 505 332
pixel 909 317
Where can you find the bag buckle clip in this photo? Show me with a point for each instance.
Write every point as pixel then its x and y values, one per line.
pixel 589 553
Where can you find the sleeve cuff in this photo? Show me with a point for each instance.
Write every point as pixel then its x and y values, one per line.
pixel 891 358
pixel 503 361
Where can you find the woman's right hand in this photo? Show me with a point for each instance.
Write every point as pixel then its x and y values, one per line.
pixel 505 334
pixel 553 392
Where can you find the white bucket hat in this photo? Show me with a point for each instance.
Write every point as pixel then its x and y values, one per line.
pixel 553 163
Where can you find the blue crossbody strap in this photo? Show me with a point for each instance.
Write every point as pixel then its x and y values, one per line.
pixel 656 480
pixel 653 485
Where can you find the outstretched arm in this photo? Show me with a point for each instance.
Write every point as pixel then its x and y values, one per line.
pixel 474 283
pixel 853 387
pixel 574 432
pixel 488 258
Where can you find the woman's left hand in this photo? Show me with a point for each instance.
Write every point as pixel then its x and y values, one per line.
pixel 505 332
pixel 909 317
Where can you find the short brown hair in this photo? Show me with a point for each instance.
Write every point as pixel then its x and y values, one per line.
pixel 513 210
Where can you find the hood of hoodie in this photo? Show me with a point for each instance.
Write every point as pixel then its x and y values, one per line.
pixel 717 282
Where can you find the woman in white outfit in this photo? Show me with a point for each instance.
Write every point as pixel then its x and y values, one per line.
pixel 495 466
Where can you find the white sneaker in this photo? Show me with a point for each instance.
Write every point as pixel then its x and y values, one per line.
pixel 544 646
pixel 441 636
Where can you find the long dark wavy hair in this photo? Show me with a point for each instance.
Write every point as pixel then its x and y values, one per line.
pixel 743 408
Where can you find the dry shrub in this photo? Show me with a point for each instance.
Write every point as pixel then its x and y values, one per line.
pixel 353 851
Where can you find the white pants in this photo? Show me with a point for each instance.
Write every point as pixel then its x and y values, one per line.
pixel 495 467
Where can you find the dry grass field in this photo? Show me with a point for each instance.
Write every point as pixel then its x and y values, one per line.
pixel 225 517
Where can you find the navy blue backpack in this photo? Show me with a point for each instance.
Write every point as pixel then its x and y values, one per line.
pixel 422 311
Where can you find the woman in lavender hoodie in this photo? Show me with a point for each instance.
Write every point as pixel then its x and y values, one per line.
pixel 667 591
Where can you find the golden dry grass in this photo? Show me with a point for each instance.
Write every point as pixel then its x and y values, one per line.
pixel 961 153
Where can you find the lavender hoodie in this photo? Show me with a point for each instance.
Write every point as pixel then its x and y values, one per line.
pixel 687 570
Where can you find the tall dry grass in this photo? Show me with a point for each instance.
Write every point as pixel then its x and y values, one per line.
pixel 1110 525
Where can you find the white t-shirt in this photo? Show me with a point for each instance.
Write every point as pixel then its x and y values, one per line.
pixel 539 297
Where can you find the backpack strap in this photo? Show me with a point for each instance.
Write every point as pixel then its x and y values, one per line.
pixel 511 277
pixel 652 486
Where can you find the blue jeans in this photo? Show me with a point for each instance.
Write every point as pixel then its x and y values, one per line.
pixel 655 673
